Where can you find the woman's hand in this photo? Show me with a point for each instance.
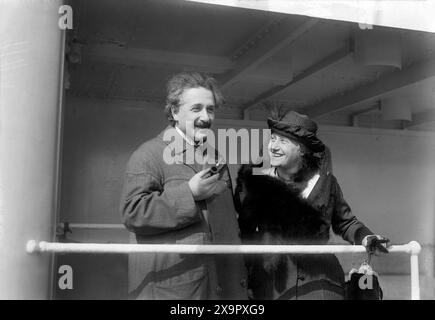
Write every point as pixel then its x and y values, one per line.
pixel 376 244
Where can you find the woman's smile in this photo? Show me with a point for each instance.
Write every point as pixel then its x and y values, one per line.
pixel 277 154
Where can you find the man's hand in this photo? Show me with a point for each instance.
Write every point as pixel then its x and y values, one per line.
pixel 202 185
pixel 376 244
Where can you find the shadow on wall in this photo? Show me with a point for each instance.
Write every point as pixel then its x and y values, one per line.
pixel 94 277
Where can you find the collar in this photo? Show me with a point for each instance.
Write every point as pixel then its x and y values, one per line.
pixel 186 138
pixel 310 185
pixel 187 143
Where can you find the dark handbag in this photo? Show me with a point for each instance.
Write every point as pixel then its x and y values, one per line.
pixel 363 284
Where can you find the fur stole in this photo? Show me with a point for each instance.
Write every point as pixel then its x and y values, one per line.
pixel 272 212
pixel 273 208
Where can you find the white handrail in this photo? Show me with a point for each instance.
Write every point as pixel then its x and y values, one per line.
pixel 32 246
pixel 413 248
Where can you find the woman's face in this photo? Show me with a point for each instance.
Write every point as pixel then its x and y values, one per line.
pixel 283 152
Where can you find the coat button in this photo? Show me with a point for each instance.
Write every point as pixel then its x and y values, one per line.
pixel 219 290
pixel 244 283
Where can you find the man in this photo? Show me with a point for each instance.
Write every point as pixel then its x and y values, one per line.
pixel 168 198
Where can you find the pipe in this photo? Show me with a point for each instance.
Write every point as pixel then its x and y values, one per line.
pixel 59 148
pixel 43 246
pixel 92 225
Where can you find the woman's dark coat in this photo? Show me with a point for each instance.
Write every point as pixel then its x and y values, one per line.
pixel 271 212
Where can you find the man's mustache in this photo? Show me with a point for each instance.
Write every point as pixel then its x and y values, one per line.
pixel 202 124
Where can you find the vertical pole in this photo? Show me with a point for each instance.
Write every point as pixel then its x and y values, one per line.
pixel 58 173
pixel 414 250
pixel 415 281
pixel 30 64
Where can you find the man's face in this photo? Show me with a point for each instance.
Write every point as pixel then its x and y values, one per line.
pixel 197 108
pixel 283 152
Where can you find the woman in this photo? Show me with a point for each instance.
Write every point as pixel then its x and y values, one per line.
pixel 296 201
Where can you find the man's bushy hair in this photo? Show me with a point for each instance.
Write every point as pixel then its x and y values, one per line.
pixel 187 80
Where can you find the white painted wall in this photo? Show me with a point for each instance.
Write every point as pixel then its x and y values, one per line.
pixel 99 137
pixel 388 179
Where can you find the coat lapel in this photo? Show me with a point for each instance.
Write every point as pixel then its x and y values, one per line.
pixel 319 196
pixel 186 151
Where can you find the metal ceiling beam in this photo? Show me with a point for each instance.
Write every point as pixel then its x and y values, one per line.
pixel 279 37
pixel 129 56
pixel 396 80
pixel 328 61
pixel 142 57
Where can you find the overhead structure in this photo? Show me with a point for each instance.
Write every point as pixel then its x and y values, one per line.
pixel 396 108
pixel 328 61
pixel 396 80
pixel 378 47
pixel 397 14
pixel 280 38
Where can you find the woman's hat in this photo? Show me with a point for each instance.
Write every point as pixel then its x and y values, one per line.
pixel 298 127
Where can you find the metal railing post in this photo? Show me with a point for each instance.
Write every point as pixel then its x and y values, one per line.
pixel 415 249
